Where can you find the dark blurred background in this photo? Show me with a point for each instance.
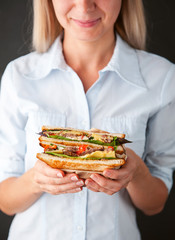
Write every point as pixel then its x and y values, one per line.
pixel 15 38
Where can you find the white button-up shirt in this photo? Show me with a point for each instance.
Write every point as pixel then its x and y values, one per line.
pixel 134 94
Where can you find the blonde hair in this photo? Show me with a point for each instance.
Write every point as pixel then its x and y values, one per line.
pixel 46 28
pixel 130 24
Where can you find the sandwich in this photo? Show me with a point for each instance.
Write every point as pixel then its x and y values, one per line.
pixel 81 151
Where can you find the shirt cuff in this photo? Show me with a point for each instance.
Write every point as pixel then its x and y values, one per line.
pixel 164 174
pixel 11 168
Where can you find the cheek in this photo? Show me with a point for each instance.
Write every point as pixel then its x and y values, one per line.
pixel 115 8
pixel 111 6
pixel 61 9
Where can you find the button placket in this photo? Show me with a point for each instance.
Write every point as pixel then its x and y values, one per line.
pixel 80 212
pixel 82 104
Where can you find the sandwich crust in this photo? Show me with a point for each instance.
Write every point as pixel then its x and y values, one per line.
pixel 93 130
pixel 86 165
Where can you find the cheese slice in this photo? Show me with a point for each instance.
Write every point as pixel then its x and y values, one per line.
pixel 99 138
pixel 71 132
pixel 57 151
pixel 100 154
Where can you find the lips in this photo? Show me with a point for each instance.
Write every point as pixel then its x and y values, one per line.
pixel 86 23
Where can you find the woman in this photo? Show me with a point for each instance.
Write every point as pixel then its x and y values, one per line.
pixel 89 70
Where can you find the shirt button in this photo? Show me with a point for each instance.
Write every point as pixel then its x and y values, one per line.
pixel 81 194
pixel 80 228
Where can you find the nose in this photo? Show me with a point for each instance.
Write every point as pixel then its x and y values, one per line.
pixel 85 5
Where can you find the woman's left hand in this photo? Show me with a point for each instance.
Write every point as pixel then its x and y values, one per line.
pixel 115 180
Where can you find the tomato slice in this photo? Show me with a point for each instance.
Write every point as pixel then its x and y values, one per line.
pixel 110 147
pixel 82 148
pixel 82 137
pixel 54 147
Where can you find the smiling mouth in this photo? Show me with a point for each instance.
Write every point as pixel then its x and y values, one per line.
pixel 86 23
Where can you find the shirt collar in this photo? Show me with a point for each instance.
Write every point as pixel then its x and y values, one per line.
pixel 43 63
pixel 124 62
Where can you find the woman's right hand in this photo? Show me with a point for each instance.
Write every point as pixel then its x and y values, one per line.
pixel 55 181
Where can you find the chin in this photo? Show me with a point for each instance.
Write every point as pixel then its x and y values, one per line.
pixel 88 36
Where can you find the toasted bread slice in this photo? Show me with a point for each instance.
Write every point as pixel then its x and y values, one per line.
pixel 97 131
pixel 80 164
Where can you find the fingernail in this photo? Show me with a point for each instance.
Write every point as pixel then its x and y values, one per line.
pixel 87 182
pixel 80 183
pixel 74 178
pixel 78 189
pixel 59 175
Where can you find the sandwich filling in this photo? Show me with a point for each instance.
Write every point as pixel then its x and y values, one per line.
pixel 69 135
pixel 81 151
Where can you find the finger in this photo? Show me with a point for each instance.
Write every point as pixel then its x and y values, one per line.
pixel 71 185
pixel 71 177
pixel 59 189
pixel 42 179
pixel 93 186
pixel 45 169
pixel 92 189
pixel 108 184
pixel 116 174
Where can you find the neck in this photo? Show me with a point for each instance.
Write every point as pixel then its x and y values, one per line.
pixel 78 54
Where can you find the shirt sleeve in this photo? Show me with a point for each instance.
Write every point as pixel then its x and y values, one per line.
pixel 160 144
pixel 12 134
